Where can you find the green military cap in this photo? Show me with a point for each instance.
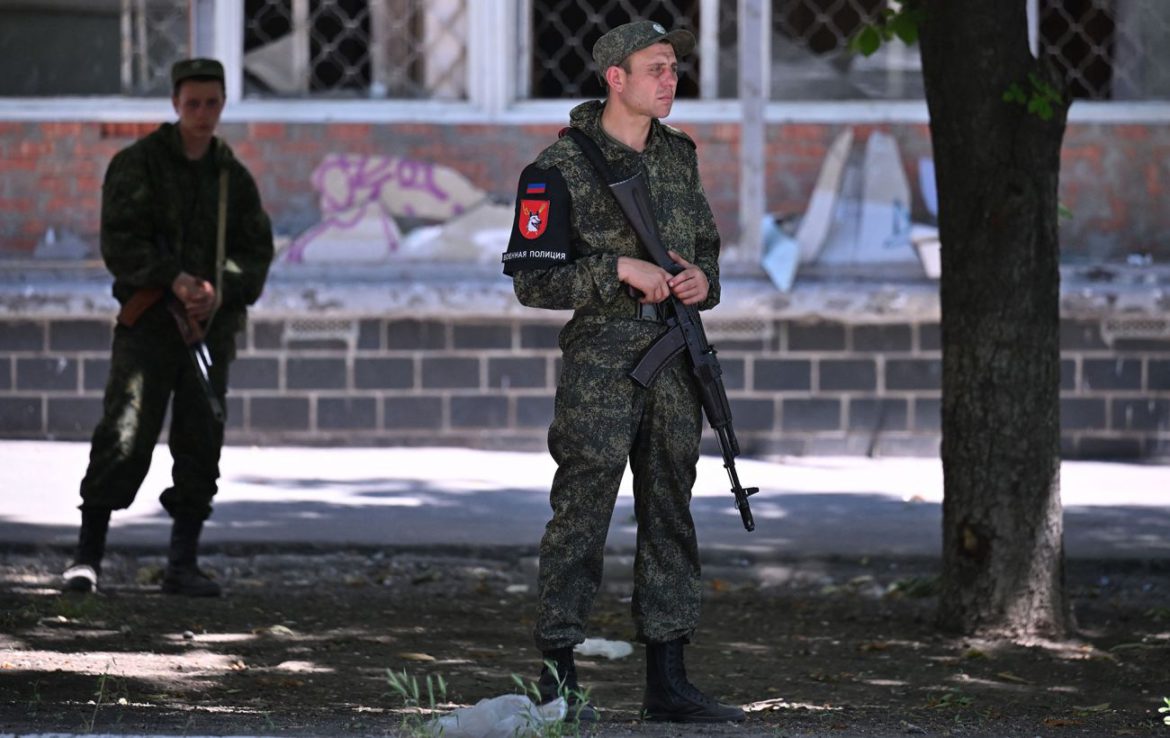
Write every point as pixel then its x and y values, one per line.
pixel 613 48
pixel 188 68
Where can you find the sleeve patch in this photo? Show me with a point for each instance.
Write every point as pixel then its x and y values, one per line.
pixel 540 231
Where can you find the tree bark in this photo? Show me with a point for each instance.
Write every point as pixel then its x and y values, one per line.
pixel 997 167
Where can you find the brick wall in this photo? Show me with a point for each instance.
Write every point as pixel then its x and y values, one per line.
pixel 1114 177
pixel 797 386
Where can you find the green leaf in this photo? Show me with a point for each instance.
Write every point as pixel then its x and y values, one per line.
pixel 867 41
pixel 1040 107
pixel 1062 211
pixel 905 27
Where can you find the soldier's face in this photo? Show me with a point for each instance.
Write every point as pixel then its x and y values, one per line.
pixel 650 84
pixel 199 105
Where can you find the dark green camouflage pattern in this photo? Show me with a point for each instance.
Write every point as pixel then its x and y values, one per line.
pixel 149 370
pixel 159 215
pixel 602 419
pixel 153 193
pixel 613 48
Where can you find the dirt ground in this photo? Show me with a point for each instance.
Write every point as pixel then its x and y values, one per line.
pixel 302 642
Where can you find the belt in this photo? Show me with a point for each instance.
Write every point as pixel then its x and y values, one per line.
pixel 626 309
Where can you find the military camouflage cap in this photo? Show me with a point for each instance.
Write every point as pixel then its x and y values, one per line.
pixel 188 68
pixel 613 48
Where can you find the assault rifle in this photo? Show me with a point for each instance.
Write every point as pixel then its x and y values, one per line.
pixel 685 327
pixel 192 333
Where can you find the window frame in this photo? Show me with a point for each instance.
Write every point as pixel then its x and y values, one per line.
pixel 493 85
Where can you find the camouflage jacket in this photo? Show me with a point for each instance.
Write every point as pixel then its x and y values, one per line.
pixel 569 230
pixel 159 217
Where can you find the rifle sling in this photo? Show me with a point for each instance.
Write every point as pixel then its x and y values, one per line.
pixel 633 197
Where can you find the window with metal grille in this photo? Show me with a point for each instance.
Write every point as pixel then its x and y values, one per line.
pixel 1110 49
pixel 564 31
pixel 356 48
pixel 93 47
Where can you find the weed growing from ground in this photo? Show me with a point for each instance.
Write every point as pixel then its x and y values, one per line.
pixel 568 728
pixel 98 698
pixel 417 711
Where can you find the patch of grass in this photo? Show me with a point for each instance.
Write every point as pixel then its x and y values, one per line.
pixel 20 617
pixel 109 691
pixel 98 698
pixel 85 607
pixel 559 728
pixel 421 701
pixel 34 701
pixel 417 711
pixel 914 587
pixel 951 699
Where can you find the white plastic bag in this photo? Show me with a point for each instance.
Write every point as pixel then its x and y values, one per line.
pixel 506 716
pixel 602 647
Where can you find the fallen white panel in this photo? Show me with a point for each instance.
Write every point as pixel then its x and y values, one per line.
pixel 818 217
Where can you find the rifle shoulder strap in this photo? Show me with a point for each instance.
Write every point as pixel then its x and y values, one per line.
pixel 632 196
pixel 220 242
pixel 592 152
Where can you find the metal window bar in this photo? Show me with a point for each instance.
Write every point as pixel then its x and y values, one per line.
pixel 154 35
pixel 374 48
pixel 1109 49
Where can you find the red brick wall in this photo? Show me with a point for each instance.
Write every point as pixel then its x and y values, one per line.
pixel 1115 176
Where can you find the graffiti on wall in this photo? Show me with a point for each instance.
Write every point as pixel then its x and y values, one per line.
pixel 386 208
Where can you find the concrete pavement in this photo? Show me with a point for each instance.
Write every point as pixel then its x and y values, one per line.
pixel 814 506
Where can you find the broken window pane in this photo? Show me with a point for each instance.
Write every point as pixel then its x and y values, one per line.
pixel 356 48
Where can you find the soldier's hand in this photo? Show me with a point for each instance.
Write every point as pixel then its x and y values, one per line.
pixel 197 295
pixel 649 279
pixel 690 285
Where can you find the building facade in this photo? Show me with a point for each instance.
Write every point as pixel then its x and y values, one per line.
pixel 386 135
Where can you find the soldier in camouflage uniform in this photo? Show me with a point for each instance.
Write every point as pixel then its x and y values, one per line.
pixel 161 210
pixel 572 248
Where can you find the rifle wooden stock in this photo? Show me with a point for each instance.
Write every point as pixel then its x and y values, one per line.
pixel 139 303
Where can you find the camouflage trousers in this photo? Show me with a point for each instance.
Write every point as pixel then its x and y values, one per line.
pixel 602 418
pixel 149 370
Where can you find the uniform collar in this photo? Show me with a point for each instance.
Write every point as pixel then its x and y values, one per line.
pixel 587 117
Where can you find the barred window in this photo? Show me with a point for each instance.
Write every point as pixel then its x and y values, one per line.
pixel 1111 49
pixel 564 31
pixel 92 47
pixel 356 48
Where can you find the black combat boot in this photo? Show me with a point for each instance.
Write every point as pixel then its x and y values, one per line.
pixel 82 574
pixel 182 576
pixel 561 679
pixel 671 698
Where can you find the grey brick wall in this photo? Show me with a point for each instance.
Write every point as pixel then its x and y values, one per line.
pixel 800 387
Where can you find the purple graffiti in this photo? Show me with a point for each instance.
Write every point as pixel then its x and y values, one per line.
pixel 363 178
pixel 349 184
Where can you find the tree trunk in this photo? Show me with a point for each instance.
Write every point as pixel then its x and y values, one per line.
pixel 997 168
